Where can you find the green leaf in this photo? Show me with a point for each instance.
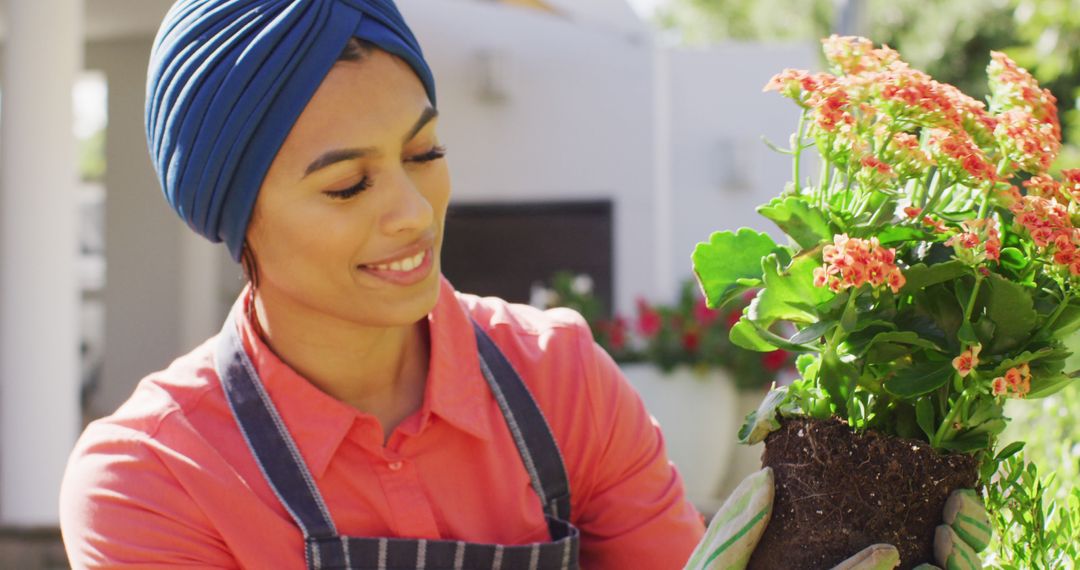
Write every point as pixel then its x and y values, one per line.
pixel 745 335
pixel 812 333
pixel 762 421
pixel 1048 353
pixel 968 442
pixel 806 224
pixel 966 334
pixel 727 258
pixel 1014 259
pixel 906 337
pixel 1010 450
pixel 837 378
pixel 1011 308
pixel 788 295
pixel 1043 386
pixel 806 364
pixel 918 380
pixel 925 416
pixel 920 275
pixel 897 234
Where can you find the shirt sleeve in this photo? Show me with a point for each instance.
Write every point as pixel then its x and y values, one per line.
pixel 635 513
pixel 121 508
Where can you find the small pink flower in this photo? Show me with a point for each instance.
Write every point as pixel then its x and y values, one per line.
pixel 968 360
pixel 999 386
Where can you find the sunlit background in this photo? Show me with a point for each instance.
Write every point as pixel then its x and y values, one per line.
pixel 600 138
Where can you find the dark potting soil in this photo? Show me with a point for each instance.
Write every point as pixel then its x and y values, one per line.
pixel 838 492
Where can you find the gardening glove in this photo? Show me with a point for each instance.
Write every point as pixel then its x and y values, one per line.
pixel 966 533
pixel 738 525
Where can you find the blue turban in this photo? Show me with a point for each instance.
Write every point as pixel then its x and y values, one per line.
pixel 227 81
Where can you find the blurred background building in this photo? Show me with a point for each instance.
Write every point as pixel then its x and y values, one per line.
pixel 604 137
pixel 570 125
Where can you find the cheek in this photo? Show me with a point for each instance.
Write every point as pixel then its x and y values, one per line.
pixel 435 182
pixel 309 233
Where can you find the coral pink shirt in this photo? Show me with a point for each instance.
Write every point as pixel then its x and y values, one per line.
pixel 168 480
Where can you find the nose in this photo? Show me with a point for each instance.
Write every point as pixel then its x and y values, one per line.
pixel 407 208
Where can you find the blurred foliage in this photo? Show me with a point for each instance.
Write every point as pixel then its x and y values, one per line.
pixel 92 157
pixel 1051 429
pixel 948 39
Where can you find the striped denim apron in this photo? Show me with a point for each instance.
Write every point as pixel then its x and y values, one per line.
pixel 284 468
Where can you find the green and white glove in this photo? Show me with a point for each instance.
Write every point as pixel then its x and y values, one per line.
pixel 737 527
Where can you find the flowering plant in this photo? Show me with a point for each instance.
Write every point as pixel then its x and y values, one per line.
pixel 686 333
pixel 932 268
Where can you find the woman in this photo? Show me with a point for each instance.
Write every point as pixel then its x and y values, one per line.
pixel 355 410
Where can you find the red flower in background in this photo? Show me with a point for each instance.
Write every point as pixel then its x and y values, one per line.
pixel 703 314
pixel 691 340
pixel 648 322
pixel 775 360
pixel 733 317
pixel 615 330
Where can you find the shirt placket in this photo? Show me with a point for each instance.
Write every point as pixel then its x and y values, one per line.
pixel 412 512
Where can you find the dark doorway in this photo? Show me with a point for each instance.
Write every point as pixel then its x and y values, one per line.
pixel 503 249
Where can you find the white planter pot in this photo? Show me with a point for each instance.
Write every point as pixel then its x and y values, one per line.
pixel 745 459
pixel 697 415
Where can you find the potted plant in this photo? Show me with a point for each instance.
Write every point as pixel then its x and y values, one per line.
pixel 692 378
pixel 930 275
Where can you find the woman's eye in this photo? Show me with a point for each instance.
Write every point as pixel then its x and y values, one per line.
pixel 434 154
pixel 347 193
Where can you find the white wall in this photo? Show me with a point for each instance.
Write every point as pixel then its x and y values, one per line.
pixel 576 122
pixel 720 168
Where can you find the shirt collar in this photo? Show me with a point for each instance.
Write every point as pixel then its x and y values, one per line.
pixel 456 390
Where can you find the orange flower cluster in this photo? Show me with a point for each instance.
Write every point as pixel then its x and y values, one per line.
pixel 957 149
pixel 906 156
pixel 1071 185
pixel 968 360
pixel 1028 129
pixel 852 55
pixel 800 85
pixel 1031 144
pixel 1016 383
pixel 979 241
pixel 1012 86
pixel 1047 221
pixel 851 262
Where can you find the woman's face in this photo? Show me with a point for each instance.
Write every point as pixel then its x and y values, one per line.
pixel 356 196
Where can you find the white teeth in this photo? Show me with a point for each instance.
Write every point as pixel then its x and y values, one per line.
pixel 407 264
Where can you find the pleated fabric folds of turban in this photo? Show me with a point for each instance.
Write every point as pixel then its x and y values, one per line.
pixel 227 80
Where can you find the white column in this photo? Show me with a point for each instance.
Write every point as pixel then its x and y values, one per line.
pixel 39 297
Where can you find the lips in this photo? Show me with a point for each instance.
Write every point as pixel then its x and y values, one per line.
pixel 410 265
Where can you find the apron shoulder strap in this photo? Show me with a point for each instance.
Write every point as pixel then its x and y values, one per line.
pixel 270 443
pixel 531 432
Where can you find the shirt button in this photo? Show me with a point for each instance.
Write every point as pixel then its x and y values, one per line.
pixel 395 466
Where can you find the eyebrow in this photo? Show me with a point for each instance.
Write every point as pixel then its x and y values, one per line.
pixel 343 154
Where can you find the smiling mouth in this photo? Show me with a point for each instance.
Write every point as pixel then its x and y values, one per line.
pixel 404 264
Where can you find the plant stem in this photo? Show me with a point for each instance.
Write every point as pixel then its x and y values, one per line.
pixel 796 149
pixel 924 190
pixel 985 204
pixel 880 211
pixel 938 189
pixel 971 300
pixel 826 183
pixel 946 424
